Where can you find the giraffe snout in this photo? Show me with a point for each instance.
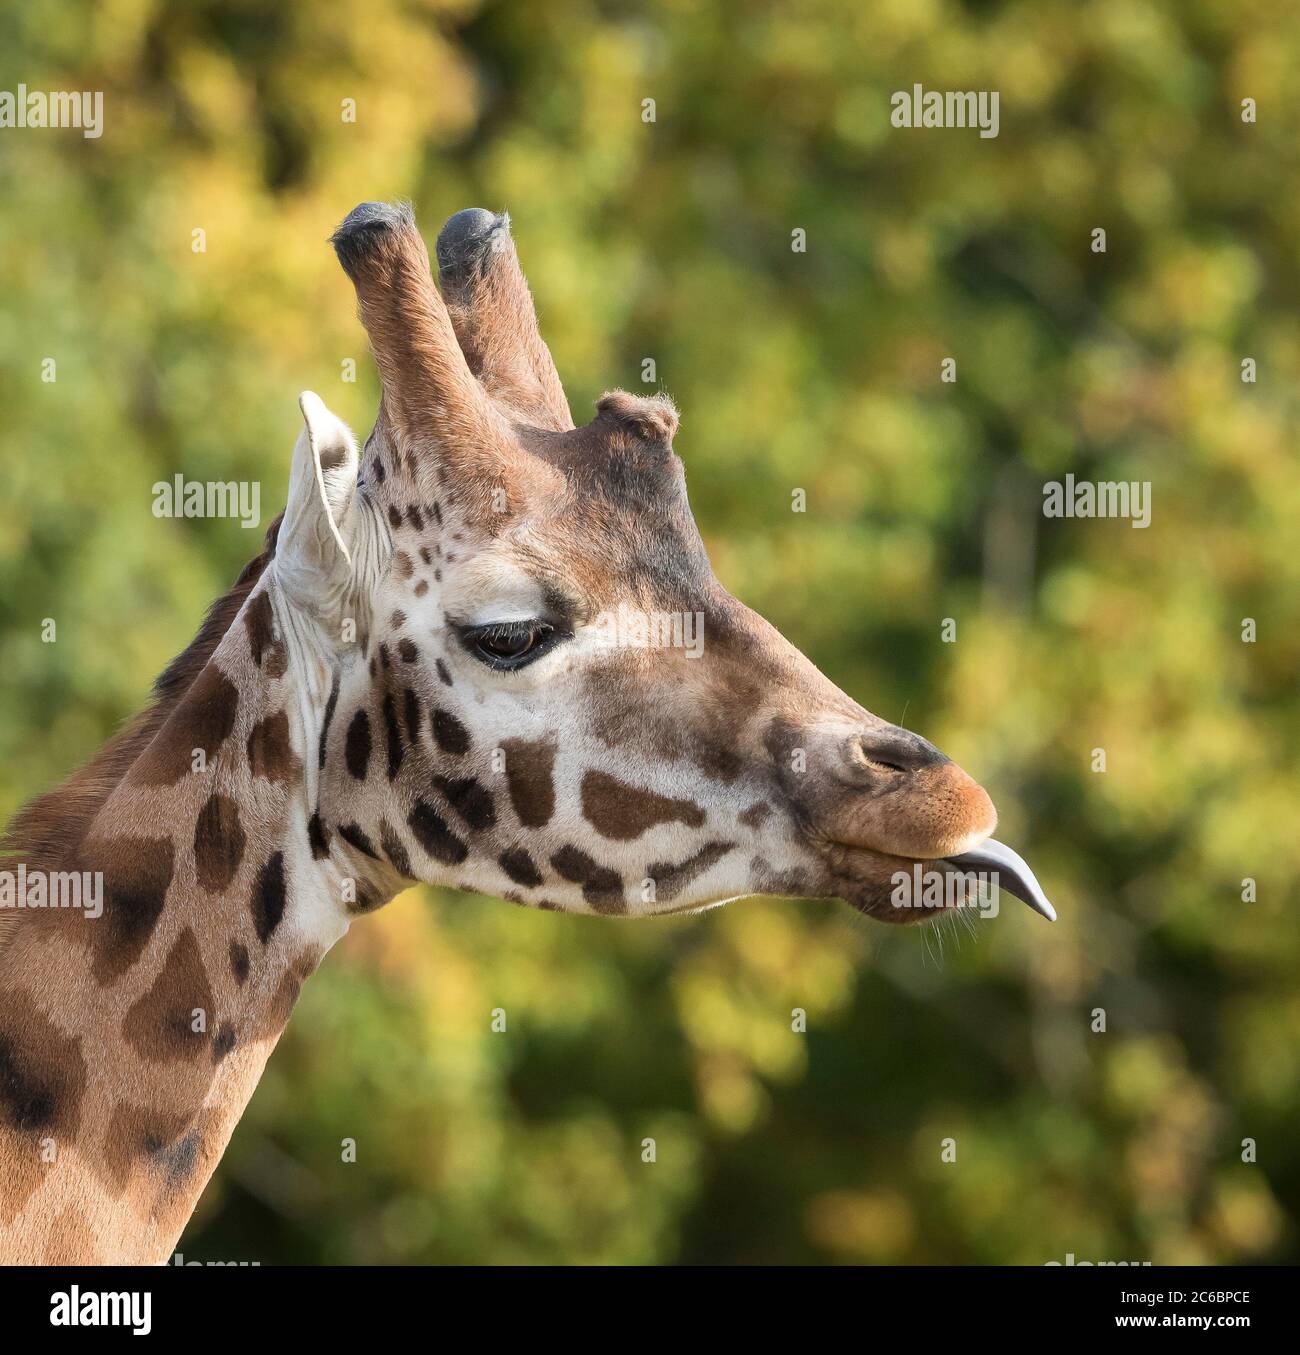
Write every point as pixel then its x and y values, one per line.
pixel 872 786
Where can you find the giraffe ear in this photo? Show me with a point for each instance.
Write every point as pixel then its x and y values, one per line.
pixel 314 548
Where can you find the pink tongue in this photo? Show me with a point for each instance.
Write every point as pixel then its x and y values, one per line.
pixel 1012 871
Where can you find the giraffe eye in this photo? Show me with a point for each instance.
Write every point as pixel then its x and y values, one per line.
pixel 506 645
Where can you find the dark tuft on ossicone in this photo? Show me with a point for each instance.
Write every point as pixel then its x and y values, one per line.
pixel 466 240
pixel 366 228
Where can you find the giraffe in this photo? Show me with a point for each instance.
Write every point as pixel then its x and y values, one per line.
pixel 418 680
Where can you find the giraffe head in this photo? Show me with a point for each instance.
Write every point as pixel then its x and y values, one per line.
pixel 537 686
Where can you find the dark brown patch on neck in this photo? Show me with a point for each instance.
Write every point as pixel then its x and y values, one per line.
pixel 160 1026
pixel 137 874
pixel 269 753
pixel 269 893
pixel 218 843
pixel 239 962
pixel 259 621
pixel 202 720
pixel 42 1082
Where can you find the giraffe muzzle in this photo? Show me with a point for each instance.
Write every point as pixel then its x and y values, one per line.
pixel 889 797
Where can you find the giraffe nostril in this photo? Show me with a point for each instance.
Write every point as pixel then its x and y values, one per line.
pixel 894 751
pixel 883 765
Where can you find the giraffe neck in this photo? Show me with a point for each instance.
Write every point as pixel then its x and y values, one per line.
pixel 131 1042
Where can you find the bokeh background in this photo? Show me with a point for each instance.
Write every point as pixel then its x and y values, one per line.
pixel 818 370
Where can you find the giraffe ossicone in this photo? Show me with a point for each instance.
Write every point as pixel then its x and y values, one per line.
pixel 417 680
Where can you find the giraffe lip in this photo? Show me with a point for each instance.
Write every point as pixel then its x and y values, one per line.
pixel 1011 871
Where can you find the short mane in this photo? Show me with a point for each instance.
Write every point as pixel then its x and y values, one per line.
pixel 47 831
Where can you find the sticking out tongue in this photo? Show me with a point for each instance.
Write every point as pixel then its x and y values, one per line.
pixel 1013 874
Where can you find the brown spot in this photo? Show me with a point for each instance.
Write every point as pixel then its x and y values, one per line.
pixel 789 884
pixel 601 887
pixel 160 1026
pixel 280 1008
pixel 139 1136
pixel 421 588
pixel 203 719
pixel 407 649
pixel 137 873
pixel 443 675
pixel 717 760
pixel 269 753
pixel 411 713
pixel 392 737
pixel 366 901
pixel 434 836
pixel 42 1083
pixel 398 619
pixel 671 879
pixel 530 776
pixel 402 565
pixel 394 850
pixel 318 837
pixel 448 732
pixel 519 866
pixel 277 661
pixel 325 724
pixel 259 622
pixel 623 812
pixel 218 843
pixel 469 799
pixel 352 833
pixel 239 962
pixel 755 814
pixel 224 1042
pixel 269 891
pixel 394 516
pixel 357 747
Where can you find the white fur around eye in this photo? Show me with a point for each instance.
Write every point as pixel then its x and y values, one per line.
pixel 489 588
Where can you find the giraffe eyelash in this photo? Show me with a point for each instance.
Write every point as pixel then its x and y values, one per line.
pixel 492 643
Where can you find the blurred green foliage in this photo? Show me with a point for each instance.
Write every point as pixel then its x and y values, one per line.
pixel 816 370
